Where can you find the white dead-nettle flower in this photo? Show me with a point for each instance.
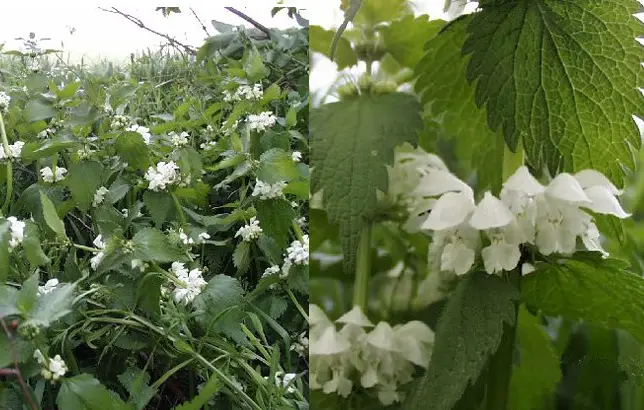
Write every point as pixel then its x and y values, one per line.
pixel 49 286
pixel 298 252
pixel 180 140
pixel 185 239
pixel 98 258
pixel 250 231
pixel 203 236
pixel 208 146
pixel 284 381
pixel 5 99
pixel 142 131
pixel 99 196
pixel 262 121
pixel 301 346
pixel 120 122
pixel 296 156
pixel 139 264
pixel 15 150
pixel 301 221
pixel 53 368
pixel 48 175
pixel 46 133
pixel 163 175
pixel 17 229
pixel 244 92
pixel 192 283
pixel 268 191
pixel 272 270
pixel 85 152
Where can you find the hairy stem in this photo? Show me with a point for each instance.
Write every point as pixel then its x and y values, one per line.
pixel 7 153
pixel 363 269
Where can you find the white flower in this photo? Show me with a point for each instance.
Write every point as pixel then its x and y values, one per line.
pixel 119 122
pixel 455 249
pixel 527 268
pixel 203 236
pixel 49 286
pixel 17 229
pixel 208 146
pixel 49 176
pixel 271 271
pixel 262 121
pixel 298 252
pixel 55 369
pixel 244 92
pixel 500 255
pixel 179 269
pixel 179 140
pixel 601 192
pixel 250 231
pixel 296 156
pixel 5 99
pixel 139 264
pixel 191 287
pixel 96 260
pixel 268 191
pixel 284 381
pixel 15 150
pixel 163 175
pixel 143 131
pixel 99 196
pixel 185 239
pixel 98 242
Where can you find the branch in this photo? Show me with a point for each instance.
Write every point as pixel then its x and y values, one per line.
pixel 200 22
pixel 16 370
pixel 140 23
pixel 255 23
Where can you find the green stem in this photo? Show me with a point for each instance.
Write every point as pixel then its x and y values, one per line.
pixel 86 248
pixel 298 232
pixel 297 304
pixel 500 371
pixel 177 205
pixel 7 151
pixel 363 269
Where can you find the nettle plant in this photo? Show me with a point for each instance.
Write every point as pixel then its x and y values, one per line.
pixel 153 238
pixel 470 249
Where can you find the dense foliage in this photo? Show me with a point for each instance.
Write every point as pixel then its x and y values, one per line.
pixel 153 237
pixel 476 209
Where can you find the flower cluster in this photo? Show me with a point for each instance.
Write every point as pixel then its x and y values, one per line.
pixel 48 175
pixel 262 121
pixel 249 231
pixel 49 286
pixel 296 156
pixel 15 150
pixel 192 283
pixel 179 140
pixel 53 368
pixel 144 132
pixel 120 122
pixel 284 381
pixel 163 175
pixel 244 92
pixel 380 357
pixel 550 217
pixel 5 99
pixel 99 196
pixel 17 229
pixel 265 190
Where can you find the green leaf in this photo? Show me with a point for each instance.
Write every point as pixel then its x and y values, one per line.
pixel 320 41
pixel 536 377
pixel 47 148
pixel 136 382
pixel 83 180
pixel 599 291
pixel 160 206
pixel 276 165
pixel 222 293
pixel 351 144
pixel 469 332
pixel 152 245
pixel 117 191
pixel 5 236
pixel 212 387
pixel 31 246
pixel 241 257
pixel 37 110
pixel 28 295
pixel 404 38
pixel 255 68
pixel 51 216
pixel 83 392
pixel 54 305
pixel 448 98
pixel 562 77
pixel 133 150
pixel 276 217
pixel 23 349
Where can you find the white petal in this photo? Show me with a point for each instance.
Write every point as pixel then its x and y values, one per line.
pixel 416 330
pixel 591 240
pixel 566 188
pixel 523 181
pixel 604 202
pixel 329 343
pixel 527 268
pixel 449 211
pixel 439 182
pixel 355 317
pixel 491 213
pixel 457 258
pixel 382 337
pixel 589 177
pixel 316 314
pixel 500 256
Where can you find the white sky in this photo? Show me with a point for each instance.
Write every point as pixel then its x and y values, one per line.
pixel 102 34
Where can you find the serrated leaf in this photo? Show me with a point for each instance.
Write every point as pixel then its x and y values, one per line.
pixel 599 291
pixel 136 382
pixel 83 392
pixel 23 349
pixel 117 191
pixel 221 294
pixel 351 144
pixel 276 165
pixel 31 246
pixel 160 206
pixel 404 38
pixel 241 257
pixel 212 387
pixel 133 150
pixel 271 250
pixel 43 149
pixel 51 216
pixel 562 78
pixel 153 245
pixel 28 295
pixel 276 217
pixel 83 179
pixel 468 334
pixel 538 372
pixel 320 41
pixel 449 98
pixel 36 110
pixel 54 305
